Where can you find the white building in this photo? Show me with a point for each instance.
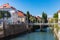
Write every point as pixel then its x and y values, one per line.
pixel 59 17
pixel 16 15
pixel 22 17
pixel 12 11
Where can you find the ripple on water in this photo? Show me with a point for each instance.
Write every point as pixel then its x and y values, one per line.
pixel 36 36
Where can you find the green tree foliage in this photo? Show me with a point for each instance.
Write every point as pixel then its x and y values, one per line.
pixel 32 19
pixel 56 17
pixel 28 16
pixel 4 14
pixel 0 15
pixel 44 17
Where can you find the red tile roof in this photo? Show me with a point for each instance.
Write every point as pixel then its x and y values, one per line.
pixel 5 5
pixel 59 11
pixel 38 17
pixel 21 14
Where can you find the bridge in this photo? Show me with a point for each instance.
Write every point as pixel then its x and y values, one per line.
pixel 41 25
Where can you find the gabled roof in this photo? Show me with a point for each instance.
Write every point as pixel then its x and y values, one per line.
pixel 21 14
pixel 38 17
pixel 59 11
pixel 7 6
pixel 13 8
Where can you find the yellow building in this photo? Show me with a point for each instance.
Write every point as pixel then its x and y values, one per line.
pixel 21 17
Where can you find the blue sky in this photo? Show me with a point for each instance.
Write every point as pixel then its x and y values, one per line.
pixel 35 7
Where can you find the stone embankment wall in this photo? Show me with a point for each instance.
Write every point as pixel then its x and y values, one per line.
pixel 56 33
pixel 13 29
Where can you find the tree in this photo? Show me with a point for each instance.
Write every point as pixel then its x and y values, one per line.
pixel 44 17
pixel 32 19
pixel 55 16
pixel 0 14
pixel 28 16
pixel 4 14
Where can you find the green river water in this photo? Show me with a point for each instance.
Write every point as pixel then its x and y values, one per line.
pixel 37 35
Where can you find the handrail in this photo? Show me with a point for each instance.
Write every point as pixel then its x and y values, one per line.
pixel 43 23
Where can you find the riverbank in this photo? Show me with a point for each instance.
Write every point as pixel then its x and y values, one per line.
pixel 56 34
pixel 36 35
pixel 13 36
pixel 13 30
pixel 22 30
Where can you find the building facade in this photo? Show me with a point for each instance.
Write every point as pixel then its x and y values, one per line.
pixel 21 17
pixel 59 16
pixel 16 15
pixel 39 19
pixel 12 11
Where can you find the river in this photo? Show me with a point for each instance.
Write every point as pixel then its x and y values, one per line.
pixel 37 35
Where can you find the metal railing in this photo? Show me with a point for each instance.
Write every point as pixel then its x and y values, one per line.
pixel 42 23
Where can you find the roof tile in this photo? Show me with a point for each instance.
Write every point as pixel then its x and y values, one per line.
pixel 20 13
pixel 59 11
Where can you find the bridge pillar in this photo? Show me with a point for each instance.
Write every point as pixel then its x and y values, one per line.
pixel 40 28
pixel 27 26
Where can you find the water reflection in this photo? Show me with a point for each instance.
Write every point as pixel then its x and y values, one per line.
pixel 37 35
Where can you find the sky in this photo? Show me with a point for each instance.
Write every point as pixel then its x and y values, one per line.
pixel 35 7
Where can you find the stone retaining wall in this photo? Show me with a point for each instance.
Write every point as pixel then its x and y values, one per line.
pixel 13 29
pixel 55 32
